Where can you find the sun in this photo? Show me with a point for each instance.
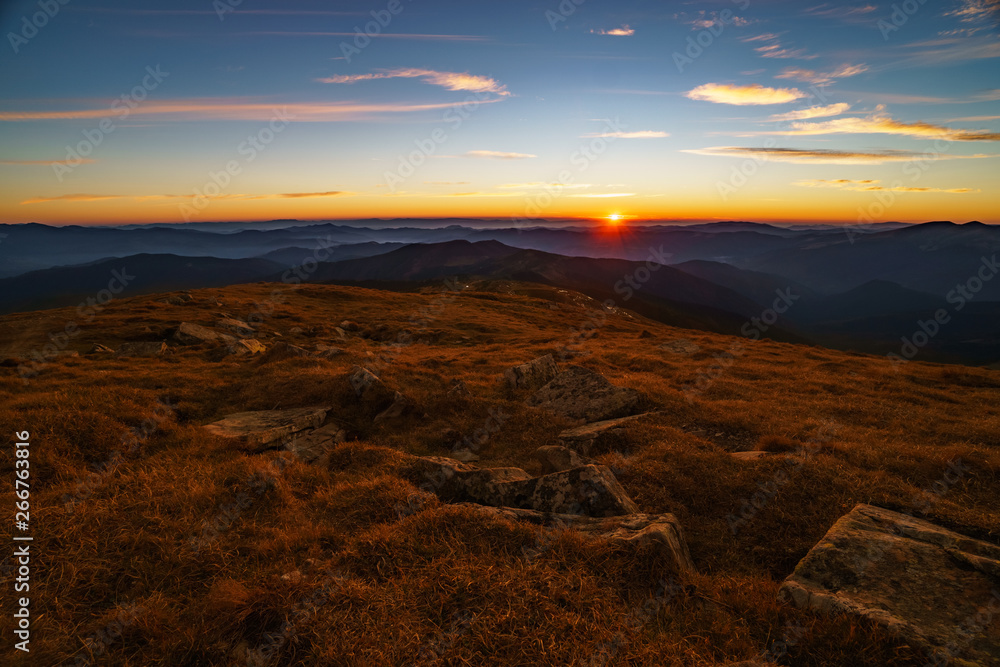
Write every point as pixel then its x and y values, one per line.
pixel 615 218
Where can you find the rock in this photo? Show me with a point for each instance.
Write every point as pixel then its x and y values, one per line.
pixel 464 455
pixel 282 350
pixel 555 458
pixel 580 393
pixel 645 334
pixel 178 299
pixel 532 374
pixel 681 346
pixel 193 334
pixel 237 327
pixel 349 325
pixel 315 446
pixel 458 389
pixel 369 390
pixel 400 407
pixel 327 351
pixel 662 530
pixel 752 455
pixel 590 490
pixel 340 333
pixel 596 436
pixel 100 349
pixel 928 584
pixel 293 577
pixel 246 346
pixel 261 429
pixel 142 349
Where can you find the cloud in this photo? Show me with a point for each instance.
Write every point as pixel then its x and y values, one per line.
pixel 777 51
pixel 103 197
pixel 882 123
pixel 238 109
pixel 873 186
pixel 744 95
pixel 497 155
pixel 45 163
pixel 624 31
pixel 640 134
pixel 852 14
pixel 812 112
pixel 825 155
pixel 535 185
pixel 605 195
pixel 819 78
pixel 977 10
pixel 766 37
pixel 448 80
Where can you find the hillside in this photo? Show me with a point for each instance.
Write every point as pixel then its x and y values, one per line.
pixel 216 552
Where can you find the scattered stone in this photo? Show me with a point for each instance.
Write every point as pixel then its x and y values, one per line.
pixel 555 458
pixel 238 327
pixel 142 349
pixel 591 438
pixel 681 346
pixel 645 334
pixel 246 346
pixel 580 393
pixel 178 299
pixel 400 407
pixel 349 325
pixel 458 389
pixel 327 351
pixel 293 577
pixel 193 334
pixel 464 455
pixel 340 333
pixel 295 330
pixel 315 446
pixel 923 582
pixel 663 530
pixel 532 374
pixel 282 350
pixel 100 349
pixel 258 430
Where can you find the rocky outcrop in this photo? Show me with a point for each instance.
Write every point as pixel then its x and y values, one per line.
pixel 662 530
pixel 369 390
pixel 591 438
pixel 142 349
pixel 100 349
pixel 555 458
pixel 932 586
pixel 194 334
pixel 236 327
pixel 246 346
pixel 265 429
pixel 315 446
pixel 282 350
pixel 580 393
pixel 400 407
pixel 589 490
pixel 531 375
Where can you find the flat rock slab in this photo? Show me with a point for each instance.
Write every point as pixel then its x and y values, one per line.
pixel 590 490
pixel 237 327
pixel 580 393
pixel 142 349
pixel 586 437
pixel 934 587
pixel 555 458
pixel 266 427
pixel 315 446
pixel 663 530
pixel 193 334
pixel 532 375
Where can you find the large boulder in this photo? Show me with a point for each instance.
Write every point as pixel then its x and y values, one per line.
pixel 662 530
pixel 246 346
pixel 531 375
pixel 236 327
pixel 580 393
pixel 589 490
pixel 936 588
pixel 266 429
pixel 194 334
pixel 369 391
pixel 142 349
pixel 315 446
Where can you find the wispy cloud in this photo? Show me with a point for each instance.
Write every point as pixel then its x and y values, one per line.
pixel 882 123
pixel 824 155
pixel 448 80
pixel 977 10
pixel 744 95
pixel 812 112
pixel 765 37
pixel 45 163
pixel 874 186
pixel 605 195
pixel 812 76
pixel 639 134
pixel 624 31
pixel 778 51
pixel 81 197
pixel 848 13
pixel 497 155
pixel 238 109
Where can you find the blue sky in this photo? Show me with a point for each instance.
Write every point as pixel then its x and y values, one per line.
pixel 761 110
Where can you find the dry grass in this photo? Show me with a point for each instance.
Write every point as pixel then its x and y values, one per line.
pixel 389 575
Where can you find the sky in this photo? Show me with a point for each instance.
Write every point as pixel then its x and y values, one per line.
pixel 118 112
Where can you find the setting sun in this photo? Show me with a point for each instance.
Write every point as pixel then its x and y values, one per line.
pixel 615 218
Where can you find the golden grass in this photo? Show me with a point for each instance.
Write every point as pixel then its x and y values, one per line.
pixel 389 575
